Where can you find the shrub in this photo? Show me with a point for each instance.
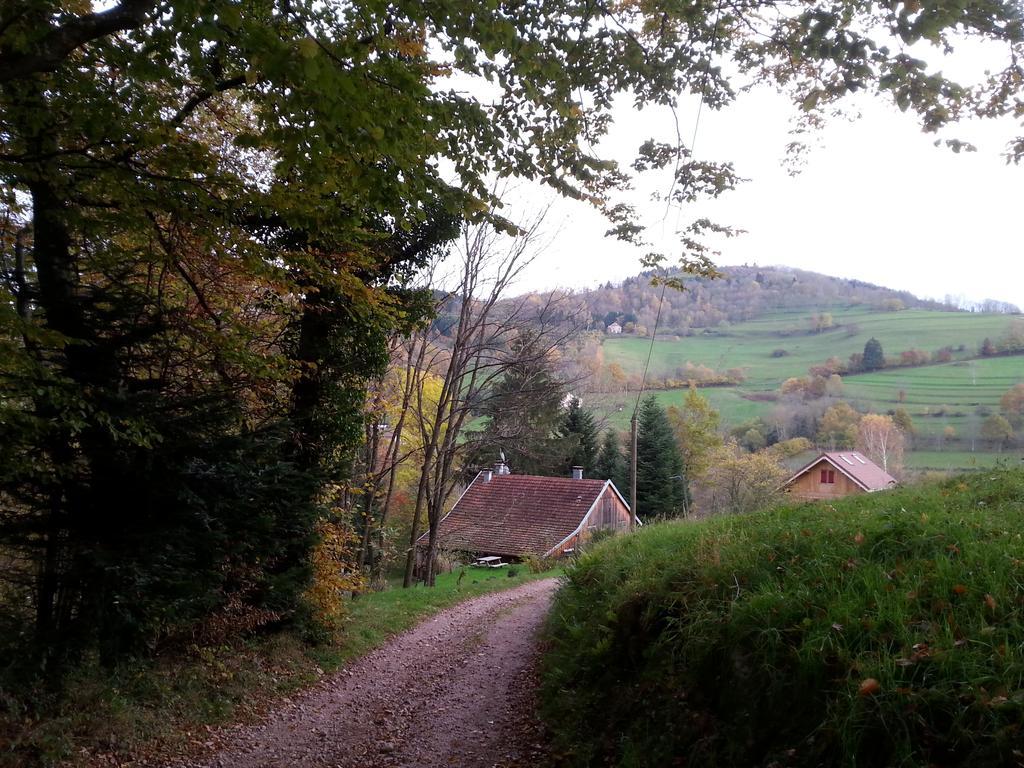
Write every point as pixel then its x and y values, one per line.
pixel 883 630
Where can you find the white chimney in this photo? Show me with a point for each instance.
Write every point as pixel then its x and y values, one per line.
pixel 487 475
pixel 501 468
pixel 577 473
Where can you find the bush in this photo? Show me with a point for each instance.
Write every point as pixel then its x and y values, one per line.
pixel 883 630
pixel 536 564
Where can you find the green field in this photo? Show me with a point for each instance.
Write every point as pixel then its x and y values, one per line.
pixel 877 631
pixel 959 394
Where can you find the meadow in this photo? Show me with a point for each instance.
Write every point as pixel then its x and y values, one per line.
pixel 958 394
pixel 881 630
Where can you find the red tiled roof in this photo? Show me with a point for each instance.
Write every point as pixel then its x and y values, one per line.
pixel 857 467
pixel 517 514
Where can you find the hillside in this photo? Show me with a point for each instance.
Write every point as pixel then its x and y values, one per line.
pixel 882 630
pixel 744 293
pixel 797 322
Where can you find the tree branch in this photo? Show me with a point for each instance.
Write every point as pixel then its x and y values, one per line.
pixel 58 44
pixel 198 98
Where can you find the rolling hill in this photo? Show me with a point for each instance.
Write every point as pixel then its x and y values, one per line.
pixel 781 342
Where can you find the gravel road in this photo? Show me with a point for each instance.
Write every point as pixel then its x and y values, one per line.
pixel 457 690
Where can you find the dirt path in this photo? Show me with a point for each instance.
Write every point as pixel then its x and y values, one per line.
pixel 457 690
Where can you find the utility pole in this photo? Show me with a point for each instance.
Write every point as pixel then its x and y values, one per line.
pixel 632 474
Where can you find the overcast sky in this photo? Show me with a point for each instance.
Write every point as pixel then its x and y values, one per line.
pixel 876 201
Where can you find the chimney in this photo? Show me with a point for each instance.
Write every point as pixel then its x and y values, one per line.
pixel 487 475
pixel 501 468
pixel 577 473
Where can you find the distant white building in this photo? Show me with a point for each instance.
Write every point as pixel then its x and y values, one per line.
pixel 613 328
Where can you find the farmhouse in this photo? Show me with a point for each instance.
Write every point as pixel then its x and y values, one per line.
pixel 835 474
pixel 614 328
pixel 519 515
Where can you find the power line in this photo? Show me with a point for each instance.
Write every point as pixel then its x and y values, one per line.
pixel 661 299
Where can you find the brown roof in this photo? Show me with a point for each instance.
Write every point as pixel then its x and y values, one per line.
pixel 855 466
pixel 518 514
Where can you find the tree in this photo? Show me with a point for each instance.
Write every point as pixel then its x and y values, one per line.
pixel 580 435
pixel 882 441
pixel 997 430
pixel 660 487
pixel 874 358
pixel 493 360
pixel 611 464
pixel 838 427
pixel 523 413
pixel 739 482
pixel 1012 404
pixel 902 419
pixel 695 427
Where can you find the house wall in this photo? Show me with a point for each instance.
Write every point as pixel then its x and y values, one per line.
pixel 808 487
pixel 609 512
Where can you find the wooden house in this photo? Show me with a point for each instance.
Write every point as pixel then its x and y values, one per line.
pixel 835 474
pixel 513 516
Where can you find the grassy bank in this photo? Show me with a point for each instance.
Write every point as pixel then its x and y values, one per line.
pixel 884 630
pixel 166 705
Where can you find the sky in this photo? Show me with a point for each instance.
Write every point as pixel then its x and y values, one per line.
pixel 876 201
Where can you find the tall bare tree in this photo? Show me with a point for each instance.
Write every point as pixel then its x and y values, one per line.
pixel 477 351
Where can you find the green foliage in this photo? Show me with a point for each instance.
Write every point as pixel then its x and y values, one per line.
pixel 611 463
pixel 882 630
pixel 523 414
pixel 695 426
pixel 661 488
pixel 580 434
pixel 874 357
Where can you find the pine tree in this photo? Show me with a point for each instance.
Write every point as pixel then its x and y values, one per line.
pixel 874 358
pixel 611 464
pixel 660 488
pixel 581 438
pixel 524 414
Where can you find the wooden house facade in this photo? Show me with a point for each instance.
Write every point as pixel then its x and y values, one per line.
pixel 835 474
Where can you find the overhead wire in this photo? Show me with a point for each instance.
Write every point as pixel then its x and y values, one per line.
pixel 675 174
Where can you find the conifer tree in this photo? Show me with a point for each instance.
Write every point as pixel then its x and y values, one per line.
pixel 611 464
pixel 660 487
pixel 874 358
pixel 581 437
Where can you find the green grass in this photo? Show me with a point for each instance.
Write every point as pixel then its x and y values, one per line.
pixel 950 461
pixel 954 395
pixel 753 641
pixel 160 706
pixel 749 345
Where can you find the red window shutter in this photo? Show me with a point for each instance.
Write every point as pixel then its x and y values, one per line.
pixel 824 475
pixel 831 475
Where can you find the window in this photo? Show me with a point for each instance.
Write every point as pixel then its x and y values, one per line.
pixel 828 476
